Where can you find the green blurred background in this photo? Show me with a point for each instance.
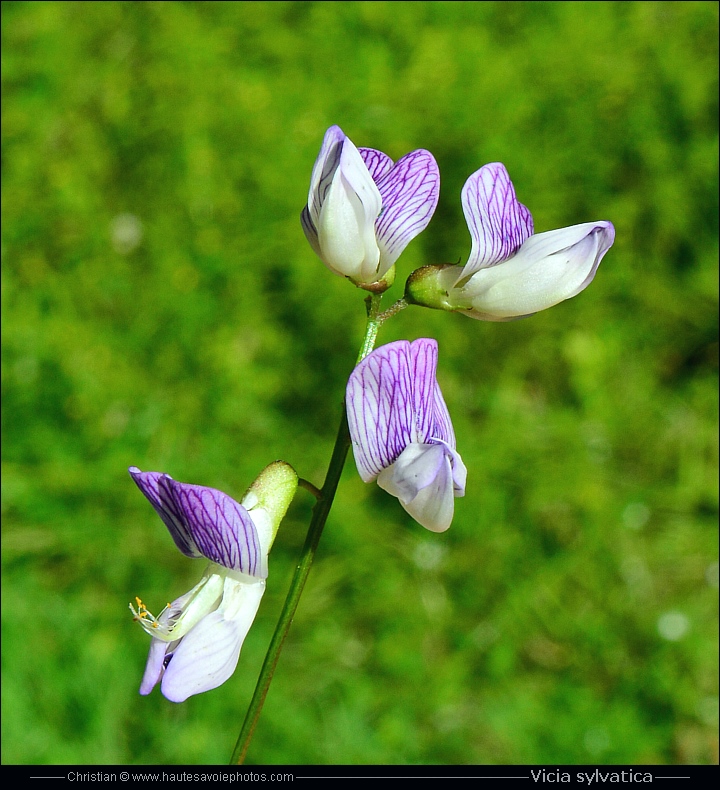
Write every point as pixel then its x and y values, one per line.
pixel 162 308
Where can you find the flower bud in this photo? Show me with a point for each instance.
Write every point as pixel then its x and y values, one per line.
pixel 363 209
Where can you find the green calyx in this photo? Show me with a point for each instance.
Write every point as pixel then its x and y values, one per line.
pixel 430 286
pixel 272 492
pixel 381 285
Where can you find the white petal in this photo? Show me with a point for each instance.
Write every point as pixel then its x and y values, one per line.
pixel 357 175
pixel 416 468
pixel 323 170
pixel 434 506
pixel 155 665
pixel 208 655
pixel 547 269
pixel 422 479
pixel 459 471
pixel 202 599
pixel 346 225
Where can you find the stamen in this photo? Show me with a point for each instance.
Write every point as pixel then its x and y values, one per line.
pixel 141 612
pixel 146 619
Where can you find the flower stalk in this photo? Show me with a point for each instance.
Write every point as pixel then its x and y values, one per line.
pixel 308 486
pixel 394 309
pixel 321 510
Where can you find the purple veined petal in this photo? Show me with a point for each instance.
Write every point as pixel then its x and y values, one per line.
pixel 380 408
pixel 423 355
pixel 310 230
pixel 409 191
pixel 431 414
pixel 432 419
pixel 207 656
pixel 393 399
pixel 222 529
pixel 498 222
pixel 443 428
pixel 323 170
pixel 165 507
pixel 376 162
pixel 401 430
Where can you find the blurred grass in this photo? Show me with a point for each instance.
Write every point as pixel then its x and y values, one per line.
pixel 162 308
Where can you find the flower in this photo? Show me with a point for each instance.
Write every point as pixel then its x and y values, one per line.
pixel 511 272
pixel 197 638
pixel 401 431
pixel 363 210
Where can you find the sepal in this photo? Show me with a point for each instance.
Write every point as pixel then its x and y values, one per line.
pixel 427 286
pixel 268 499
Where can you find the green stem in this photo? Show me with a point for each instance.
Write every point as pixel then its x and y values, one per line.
pixel 308 486
pixel 317 523
pixel 394 309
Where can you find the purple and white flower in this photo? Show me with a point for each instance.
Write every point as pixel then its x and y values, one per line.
pixel 197 638
pixel 401 431
pixel 363 210
pixel 511 272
